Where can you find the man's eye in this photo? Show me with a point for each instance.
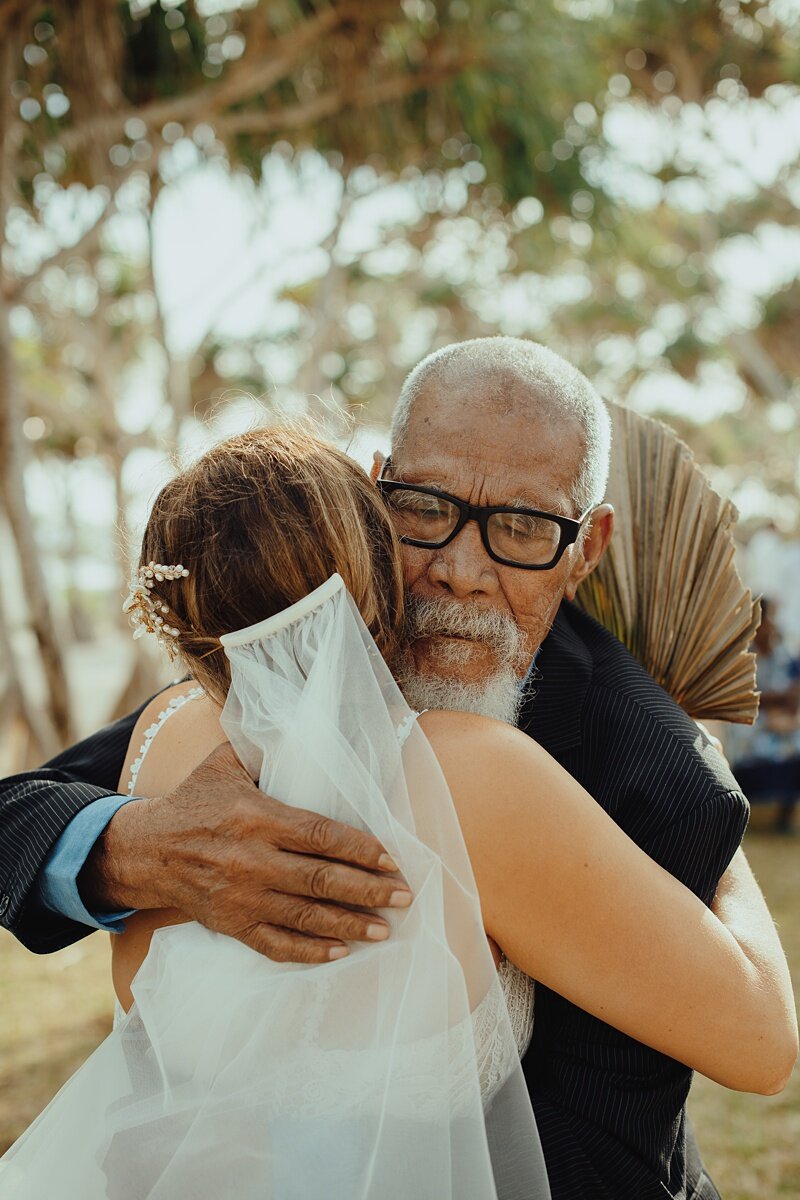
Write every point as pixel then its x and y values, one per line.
pixel 525 530
pixel 421 507
pixel 430 512
pixel 517 525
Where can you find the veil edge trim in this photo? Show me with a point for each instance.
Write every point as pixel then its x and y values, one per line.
pixel 273 624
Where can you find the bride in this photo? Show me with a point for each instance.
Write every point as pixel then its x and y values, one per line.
pixel 272 569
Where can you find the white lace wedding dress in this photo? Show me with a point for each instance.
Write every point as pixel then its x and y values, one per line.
pixel 389 1074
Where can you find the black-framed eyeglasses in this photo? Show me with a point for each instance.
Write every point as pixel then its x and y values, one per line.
pixel 516 537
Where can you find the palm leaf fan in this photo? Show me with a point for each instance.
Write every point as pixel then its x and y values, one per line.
pixel 668 586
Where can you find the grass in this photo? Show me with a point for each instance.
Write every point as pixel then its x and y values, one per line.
pixel 751 1144
pixel 56 1008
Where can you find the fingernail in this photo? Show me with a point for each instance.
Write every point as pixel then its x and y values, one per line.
pixel 387 864
pixel 338 952
pixel 400 899
pixel 377 933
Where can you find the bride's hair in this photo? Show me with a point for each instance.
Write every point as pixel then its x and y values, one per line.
pixel 260 521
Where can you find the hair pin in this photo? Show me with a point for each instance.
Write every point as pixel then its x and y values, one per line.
pixel 146 610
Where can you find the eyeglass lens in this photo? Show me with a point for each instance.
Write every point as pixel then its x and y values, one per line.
pixel 516 536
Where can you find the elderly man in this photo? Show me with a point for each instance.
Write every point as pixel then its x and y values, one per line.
pixel 482 431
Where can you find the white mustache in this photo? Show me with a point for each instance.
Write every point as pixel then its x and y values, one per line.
pixel 427 618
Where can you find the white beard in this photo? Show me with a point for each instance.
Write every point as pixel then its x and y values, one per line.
pixel 498 694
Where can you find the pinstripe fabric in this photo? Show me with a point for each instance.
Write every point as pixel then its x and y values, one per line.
pixel 611 1111
pixel 35 808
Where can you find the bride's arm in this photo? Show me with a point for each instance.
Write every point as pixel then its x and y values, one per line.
pixel 577 905
pixel 740 906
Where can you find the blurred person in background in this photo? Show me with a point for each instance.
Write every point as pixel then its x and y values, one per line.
pixel 766 756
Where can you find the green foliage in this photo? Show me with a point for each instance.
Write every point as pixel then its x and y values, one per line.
pixel 511 107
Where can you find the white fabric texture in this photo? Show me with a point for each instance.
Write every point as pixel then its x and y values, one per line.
pixel 387 1074
pixel 518 992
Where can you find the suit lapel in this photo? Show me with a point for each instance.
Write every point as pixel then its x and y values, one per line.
pixel 558 685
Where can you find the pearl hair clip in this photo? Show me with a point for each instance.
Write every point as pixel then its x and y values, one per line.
pixel 147 610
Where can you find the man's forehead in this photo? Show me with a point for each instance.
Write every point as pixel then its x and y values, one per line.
pixel 507 453
pixel 512 411
pixel 476 478
pixel 479 392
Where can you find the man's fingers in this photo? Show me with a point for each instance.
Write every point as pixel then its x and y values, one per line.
pixel 322 879
pixel 309 833
pixel 325 920
pixel 300 830
pixel 281 945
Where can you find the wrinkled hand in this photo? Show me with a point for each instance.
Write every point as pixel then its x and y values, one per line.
pixel 277 878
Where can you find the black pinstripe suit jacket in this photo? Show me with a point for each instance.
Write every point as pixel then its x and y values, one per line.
pixel 610 1111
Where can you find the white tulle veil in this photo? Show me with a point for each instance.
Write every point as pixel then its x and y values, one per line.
pixel 389 1074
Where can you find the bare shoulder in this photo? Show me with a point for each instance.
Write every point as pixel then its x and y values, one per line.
pixel 481 757
pixel 183 740
pixel 503 783
pixel 457 733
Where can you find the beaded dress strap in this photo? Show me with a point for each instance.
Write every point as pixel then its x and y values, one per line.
pixel 407 724
pixel 149 734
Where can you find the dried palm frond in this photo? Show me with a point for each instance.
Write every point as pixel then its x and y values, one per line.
pixel 668 586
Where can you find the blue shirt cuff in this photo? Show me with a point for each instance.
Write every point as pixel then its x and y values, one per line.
pixel 58 878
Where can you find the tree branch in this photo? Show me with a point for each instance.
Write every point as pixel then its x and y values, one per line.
pixel 89 240
pixel 242 83
pixel 759 365
pixel 335 101
pixel 86 244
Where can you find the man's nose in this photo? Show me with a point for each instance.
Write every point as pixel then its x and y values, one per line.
pixel 463 568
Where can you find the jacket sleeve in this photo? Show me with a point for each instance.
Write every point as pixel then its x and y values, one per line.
pixel 35 808
pixel 663 783
pixel 697 847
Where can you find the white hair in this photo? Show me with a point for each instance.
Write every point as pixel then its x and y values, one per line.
pixel 555 387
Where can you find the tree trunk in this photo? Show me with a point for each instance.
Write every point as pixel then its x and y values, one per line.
pixel 12 454
pixel 143 678
pixel 143 682
pixel 80 619
pixel 28 727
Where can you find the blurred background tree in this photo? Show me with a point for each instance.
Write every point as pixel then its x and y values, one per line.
pixel 217 211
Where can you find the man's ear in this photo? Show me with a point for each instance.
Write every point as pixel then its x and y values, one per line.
pixel 594 546
pixel 378 460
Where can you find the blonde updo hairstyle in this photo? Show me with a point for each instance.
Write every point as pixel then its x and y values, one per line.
pixel 261 520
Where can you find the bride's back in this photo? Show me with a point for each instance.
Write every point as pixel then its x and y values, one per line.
pixel 180 728
pixel 177 730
